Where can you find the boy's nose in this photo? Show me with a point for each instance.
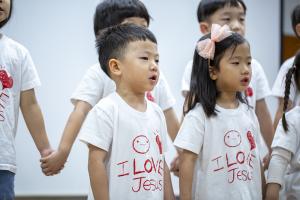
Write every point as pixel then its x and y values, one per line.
pixel 154 66
pixel 236 27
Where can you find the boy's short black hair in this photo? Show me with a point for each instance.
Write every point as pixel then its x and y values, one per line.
pixel 113 41
pixel 208 7
pixel 295 18
pixel 112 12
pixel 8 18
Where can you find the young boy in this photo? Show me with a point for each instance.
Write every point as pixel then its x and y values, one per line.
pixel 279 84
pixel 125 132
pixel 18 78
pixel 96 84
pixel 232 13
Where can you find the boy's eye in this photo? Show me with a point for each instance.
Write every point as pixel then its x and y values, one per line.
pixel 226 19
pixel 157 60
pixel 242 19
pixel 249 63
pixel 235 63
pixel 144 58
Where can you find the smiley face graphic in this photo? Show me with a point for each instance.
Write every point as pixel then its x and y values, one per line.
pixel 232 138
pixel 141 144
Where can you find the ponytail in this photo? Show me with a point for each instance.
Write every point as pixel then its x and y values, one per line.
pixel 288 81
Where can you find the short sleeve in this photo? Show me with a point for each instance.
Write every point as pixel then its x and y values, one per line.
pixel 262 85
pixel 286 140
pixel 279 84
pixel 186 79
pixel 90 88
pixel 163 95
pixel 97 129
pixel 30 78
pixel 191 134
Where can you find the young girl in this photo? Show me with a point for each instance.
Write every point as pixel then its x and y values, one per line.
pixel 218 136
pixel 286 146
pixel 18 78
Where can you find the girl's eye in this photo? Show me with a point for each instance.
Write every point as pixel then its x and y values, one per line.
pixel 144 58
pixel 242 19
pixel 249 63
pixel 226 19
pixel 235 63
pixel 157 61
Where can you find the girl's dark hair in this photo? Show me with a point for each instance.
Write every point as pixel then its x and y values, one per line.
pixel 294 71
pixel 202 88
pixel 113 41
pixel 7 19
pixel 295 18
pixel 113 12
pixel 208 7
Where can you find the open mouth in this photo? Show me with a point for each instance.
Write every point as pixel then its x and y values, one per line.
pixel 245 80
pixel 153 77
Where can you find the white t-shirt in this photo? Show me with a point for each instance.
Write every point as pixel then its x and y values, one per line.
pixel 228 164
pixel 279 84
pixel 17 73
pixel 259 84
pixel 135 142
pixel 290 141
pixel 96 84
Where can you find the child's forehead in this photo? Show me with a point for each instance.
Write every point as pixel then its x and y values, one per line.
pixel 240 51
pixel 230 9
pixel 146 46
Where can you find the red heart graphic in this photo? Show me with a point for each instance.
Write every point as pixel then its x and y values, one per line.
pixel 6 80
pixel 251 140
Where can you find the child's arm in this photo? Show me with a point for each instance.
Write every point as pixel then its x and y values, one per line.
pixel 272 191
pixel 186 172
pixel 34 121
pixel 97 173
pixel 263 181
pixel 265 122
pixel 279 111
pixel 168 189
pixel 55 162
pixel 172 123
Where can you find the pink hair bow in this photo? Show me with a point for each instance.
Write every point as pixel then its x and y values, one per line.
pixel 206 48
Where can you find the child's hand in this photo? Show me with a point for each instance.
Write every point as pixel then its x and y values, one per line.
pixel 175 166
pixel 272 191
pixel 266 161
pixel 46 152
pixel 52 164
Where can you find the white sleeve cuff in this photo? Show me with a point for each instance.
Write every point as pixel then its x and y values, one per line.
pixel 279 161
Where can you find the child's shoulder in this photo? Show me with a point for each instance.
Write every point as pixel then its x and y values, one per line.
pixel 256 66
pixel 107 104
pixel 10 43
pixel 96 69
pixel 287 64
pixel 293 115
pixel 197 111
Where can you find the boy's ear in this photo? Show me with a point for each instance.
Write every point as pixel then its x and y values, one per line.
pixel 297 28
pixel 114 67
pixel 204 27
pixel 212 73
